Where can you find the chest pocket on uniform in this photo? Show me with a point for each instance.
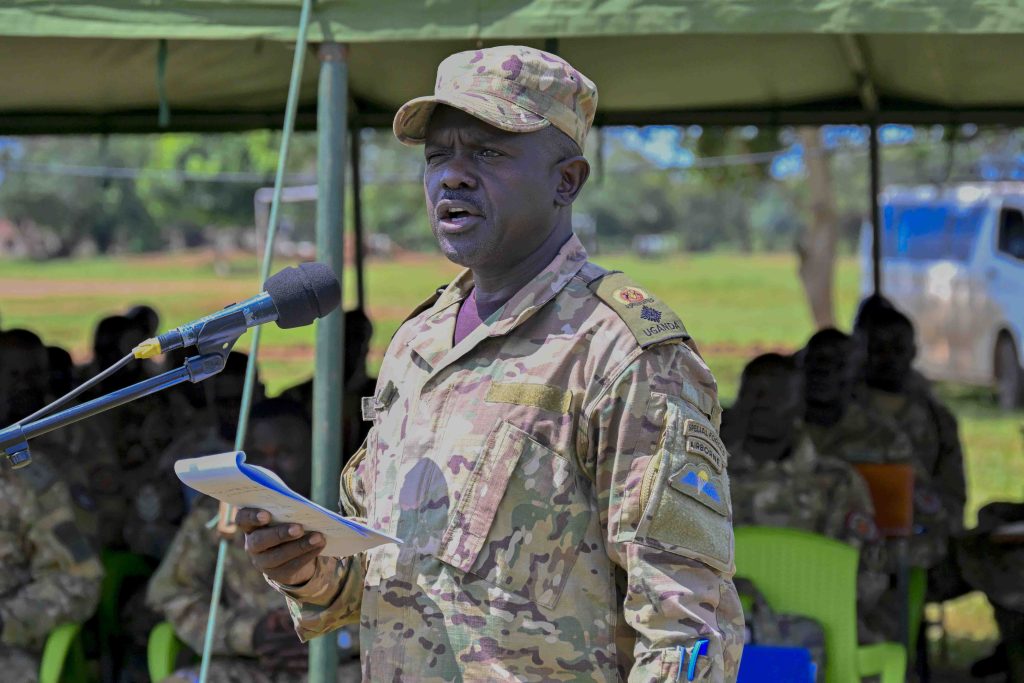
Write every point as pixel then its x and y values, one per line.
pixel 521 519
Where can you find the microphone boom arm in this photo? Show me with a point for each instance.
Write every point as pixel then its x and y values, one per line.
pixel 214 344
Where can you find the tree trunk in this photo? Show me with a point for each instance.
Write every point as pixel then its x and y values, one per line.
pixel 817 245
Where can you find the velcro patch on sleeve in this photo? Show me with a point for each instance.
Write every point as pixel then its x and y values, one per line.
pixel 696 428
pixel 707 451
pixel 702 485
pixel 543 396
pixel 649 320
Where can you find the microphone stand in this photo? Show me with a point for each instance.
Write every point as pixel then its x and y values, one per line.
pixel 214 344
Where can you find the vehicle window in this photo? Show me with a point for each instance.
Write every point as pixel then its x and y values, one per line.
pixel 930 232
pixel 1011 233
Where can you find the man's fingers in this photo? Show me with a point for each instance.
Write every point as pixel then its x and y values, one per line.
pixel 286 565
pixel 291 572
pixel 263 540
pixel 249 519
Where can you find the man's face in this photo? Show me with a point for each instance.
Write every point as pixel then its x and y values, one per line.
pixel 491 195
pixel 890 357
pixel 23 382
pixel 772 401
pixel 826 373
pixel 282 444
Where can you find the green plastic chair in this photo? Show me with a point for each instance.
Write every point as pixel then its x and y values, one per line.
pixel 118 567
pixel 63 656
pixel 162 651
pixel 814 576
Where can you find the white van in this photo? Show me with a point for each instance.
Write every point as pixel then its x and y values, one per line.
pixel 953 261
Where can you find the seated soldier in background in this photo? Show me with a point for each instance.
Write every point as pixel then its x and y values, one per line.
pixel 838 425
pixel 892 388
pixel 991 559
pixel 779 478
pixel 25 385
pixel 113 477
pixel 146 318
pixel 158 504
pixel 49 573
pixel 255 641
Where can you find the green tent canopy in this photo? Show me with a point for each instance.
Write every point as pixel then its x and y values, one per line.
pixel 100 66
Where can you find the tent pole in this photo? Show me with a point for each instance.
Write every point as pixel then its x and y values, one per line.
pixel 332 125
pixel 357 215
pixel 876 213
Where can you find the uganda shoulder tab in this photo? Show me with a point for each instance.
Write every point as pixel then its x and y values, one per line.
pixel 650 321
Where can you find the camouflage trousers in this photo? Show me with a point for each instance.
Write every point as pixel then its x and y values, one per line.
pixel 237 670
pixel 18 665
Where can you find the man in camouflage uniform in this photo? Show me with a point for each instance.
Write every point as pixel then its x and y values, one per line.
pixel 545 435
pixel 49 574
pixel 839 426
pixel 892 388
pixel 939 486
pixel 254 641
pixel 779 478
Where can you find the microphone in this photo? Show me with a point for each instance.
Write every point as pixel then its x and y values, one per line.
pixel 292 297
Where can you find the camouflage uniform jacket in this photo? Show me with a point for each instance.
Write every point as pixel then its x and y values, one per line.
pixel 51 574
pixel 806 491
pixel 181 587
pixel 861 435
pixel 558 481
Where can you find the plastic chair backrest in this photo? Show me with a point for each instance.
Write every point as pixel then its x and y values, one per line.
pixel 63 658
pixel 162 651
pixel 811 575
pixel 118 565
pixel 892 492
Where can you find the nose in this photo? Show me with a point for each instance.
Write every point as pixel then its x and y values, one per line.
pixel 457 173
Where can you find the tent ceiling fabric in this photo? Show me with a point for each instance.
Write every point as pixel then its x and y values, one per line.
pixel 92 66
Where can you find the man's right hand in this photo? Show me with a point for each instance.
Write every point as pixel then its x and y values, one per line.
pixel 283 552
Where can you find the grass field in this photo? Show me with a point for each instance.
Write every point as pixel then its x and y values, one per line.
pixel 736 306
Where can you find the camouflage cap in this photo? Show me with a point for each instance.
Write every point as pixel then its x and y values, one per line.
pixel 512 87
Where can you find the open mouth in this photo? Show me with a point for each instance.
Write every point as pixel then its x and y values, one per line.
pixel 457 216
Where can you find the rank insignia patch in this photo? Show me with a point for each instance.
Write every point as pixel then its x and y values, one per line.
pixel 652 314
pixel 701 484
pixel 631 295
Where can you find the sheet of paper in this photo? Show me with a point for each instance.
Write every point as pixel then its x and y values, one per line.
pixel 228 478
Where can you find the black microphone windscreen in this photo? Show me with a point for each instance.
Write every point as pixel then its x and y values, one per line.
pixel 303 294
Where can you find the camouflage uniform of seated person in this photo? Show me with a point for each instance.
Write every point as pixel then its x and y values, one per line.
pixel 254 641
pixel 49 573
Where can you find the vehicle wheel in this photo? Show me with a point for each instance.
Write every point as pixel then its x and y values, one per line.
pixel 1009 376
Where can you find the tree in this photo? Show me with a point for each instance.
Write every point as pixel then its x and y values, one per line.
pixel 817 246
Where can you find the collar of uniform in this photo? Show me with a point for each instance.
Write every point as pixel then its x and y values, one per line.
pixel 542 289
pixel 433 342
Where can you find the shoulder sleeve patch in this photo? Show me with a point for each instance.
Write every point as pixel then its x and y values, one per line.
pixel 648 319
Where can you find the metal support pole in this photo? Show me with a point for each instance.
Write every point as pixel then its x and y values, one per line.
pixel 332 126
pixel 876 212
pixel 357 216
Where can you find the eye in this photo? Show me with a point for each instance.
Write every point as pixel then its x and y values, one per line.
pixel 489 153
pixel 433 155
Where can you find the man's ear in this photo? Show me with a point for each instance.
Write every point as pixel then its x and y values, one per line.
pixel 573 173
